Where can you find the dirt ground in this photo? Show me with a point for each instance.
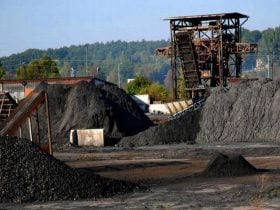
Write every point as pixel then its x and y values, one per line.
pixel 171 175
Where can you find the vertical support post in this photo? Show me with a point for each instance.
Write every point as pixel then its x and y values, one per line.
pixel 38 128
pixel 86 59
pixel 30 128
pixel 2 87
pixel 237 38
pixel 238 62
pixel 272 60
pixel 20 132
pixel 119 76
pixel 268 67
pixel 173 59
pixel 220 57
pixel 49 124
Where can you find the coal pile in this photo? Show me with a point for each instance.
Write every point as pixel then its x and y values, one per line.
pixel 28 174
pixel 227 166
pixel 246 112
pixel 85 105
pixel 183 129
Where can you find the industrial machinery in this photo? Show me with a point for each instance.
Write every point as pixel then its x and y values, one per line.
pixel 207 48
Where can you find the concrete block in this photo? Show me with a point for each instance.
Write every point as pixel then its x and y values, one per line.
pixel 87 137
pixel 158 109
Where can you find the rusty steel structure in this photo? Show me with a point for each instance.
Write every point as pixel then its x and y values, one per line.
pixel 207 48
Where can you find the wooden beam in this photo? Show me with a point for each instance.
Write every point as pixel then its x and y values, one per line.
pixel 38 128
pixel 30 128
pixel 49 124
pixel 20 132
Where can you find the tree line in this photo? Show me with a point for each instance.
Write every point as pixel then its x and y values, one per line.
pixel 132 58
pixel 268 45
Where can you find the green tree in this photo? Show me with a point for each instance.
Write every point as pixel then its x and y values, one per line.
pixel 2 72
pixel 249 60
pixel 137 85
pixel 45 67
pixel 156 91
pixel 137 57
pixel 250 36
pixel 270 44
pixel 142 85
pixel 48 67
pixel 65 69
pixel 21 72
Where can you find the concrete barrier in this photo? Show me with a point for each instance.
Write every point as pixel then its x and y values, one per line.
pixel 170 108
pixel 87 137
pixel 158 109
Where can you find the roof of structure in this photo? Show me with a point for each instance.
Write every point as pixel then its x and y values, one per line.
pixel 208 17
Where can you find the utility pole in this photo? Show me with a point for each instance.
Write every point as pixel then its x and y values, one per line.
pixel 86 59
pixel 268 65
pixel 272 61
pixel 119 77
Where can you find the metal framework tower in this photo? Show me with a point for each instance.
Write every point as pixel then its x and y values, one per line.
pixel 207 48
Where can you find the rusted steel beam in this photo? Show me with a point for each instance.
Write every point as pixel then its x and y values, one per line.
pixel 245 48
pixel 63 80
pixel 164 51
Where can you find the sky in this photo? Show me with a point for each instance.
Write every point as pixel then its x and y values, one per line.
pixel 43 24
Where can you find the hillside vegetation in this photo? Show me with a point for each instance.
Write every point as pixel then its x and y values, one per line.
pixel 132 58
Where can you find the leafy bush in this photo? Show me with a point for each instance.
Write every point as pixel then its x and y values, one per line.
pixel 142 85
